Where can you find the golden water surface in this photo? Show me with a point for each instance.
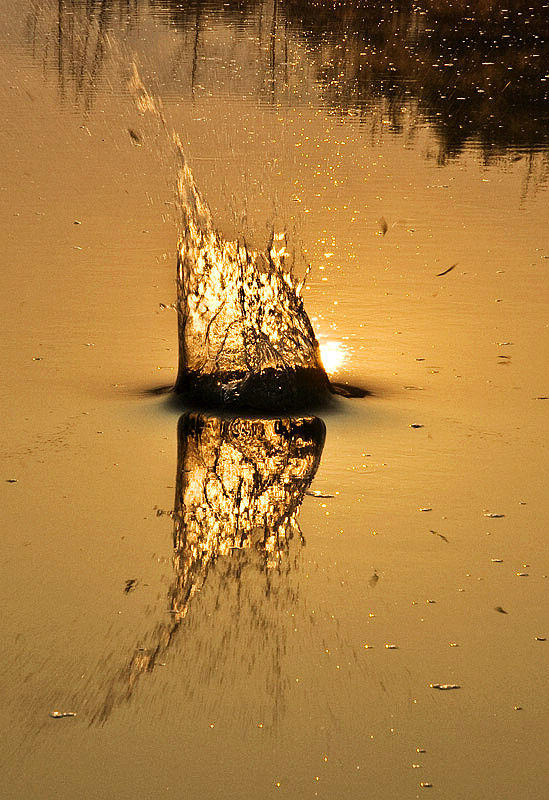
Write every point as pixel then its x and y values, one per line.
pixel 347 607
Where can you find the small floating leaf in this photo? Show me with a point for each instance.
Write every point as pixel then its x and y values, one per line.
pixel 372 583
pixel 494 516
pixel 62 714
pixel 444 687
pixel 446 271
pixel 134 136
pixel 500 610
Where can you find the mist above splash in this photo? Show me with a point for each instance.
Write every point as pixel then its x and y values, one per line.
pixel 245 340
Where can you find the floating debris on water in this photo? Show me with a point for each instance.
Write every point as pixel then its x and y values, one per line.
pixel 522 574
pixel 391 647
pixel 426 785
pixel 493 516
pixel 440 535
pixel 454 644
pixel 540 638
pixel 496 560
pixel 425 508
pixel 416 425
pixel 317 493
pixel 500 610
pixel 420 750
pixel 11 480
pixel 62 714
pixel 446 271
pixel 131 584
pixel 372 583
pixel 383 226
pixel 517 708
pixel 444 687
pixel 134 136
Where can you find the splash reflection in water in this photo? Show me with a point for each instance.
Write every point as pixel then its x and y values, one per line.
pixel 240 483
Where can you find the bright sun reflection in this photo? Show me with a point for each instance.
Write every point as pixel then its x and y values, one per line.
pixel 333 356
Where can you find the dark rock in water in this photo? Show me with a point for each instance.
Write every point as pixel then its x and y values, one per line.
pixel 271 389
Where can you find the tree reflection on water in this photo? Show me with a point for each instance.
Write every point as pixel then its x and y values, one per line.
pixel 471 72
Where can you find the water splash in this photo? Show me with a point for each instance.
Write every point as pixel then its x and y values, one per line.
pixel 245 340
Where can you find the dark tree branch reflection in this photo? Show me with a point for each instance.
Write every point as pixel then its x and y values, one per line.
pixel 473 72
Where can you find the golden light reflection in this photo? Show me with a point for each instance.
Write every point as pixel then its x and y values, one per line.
pixel 333 354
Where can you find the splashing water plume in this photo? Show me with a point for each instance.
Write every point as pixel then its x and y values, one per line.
pixel 245 340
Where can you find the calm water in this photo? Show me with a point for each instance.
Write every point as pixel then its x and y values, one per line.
pixel 277 632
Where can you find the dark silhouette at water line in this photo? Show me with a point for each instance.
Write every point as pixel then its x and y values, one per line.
pixel 239 487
